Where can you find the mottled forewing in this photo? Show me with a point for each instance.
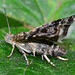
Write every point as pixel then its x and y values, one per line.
pixel 49 32
pixel 52 30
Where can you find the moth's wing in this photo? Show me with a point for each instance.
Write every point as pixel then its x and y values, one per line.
pixel 52 30
pixel 65 24
pixel 46 34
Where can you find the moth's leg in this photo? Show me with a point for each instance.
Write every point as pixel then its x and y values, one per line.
pixel 42 57
pixel 34 53
pixel 48 60
pixel 26 58
pixel 61 58
pixel 24 54
pixel 13 46
pixel 34 47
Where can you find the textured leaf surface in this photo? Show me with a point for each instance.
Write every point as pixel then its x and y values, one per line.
pixel 35 13
pixel 16 64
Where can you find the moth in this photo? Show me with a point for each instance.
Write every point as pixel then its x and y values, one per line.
pixel 41 39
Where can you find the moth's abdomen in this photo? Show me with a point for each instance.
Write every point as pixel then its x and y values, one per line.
pixel 58 51
pixel 53 50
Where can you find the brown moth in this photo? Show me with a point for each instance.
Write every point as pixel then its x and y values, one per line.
pixel 40 40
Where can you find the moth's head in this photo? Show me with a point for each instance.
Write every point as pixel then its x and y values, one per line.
pixel 9 38
pixel 58 51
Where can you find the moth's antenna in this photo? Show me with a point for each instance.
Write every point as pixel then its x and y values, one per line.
pixel 7 21
pixel 3 31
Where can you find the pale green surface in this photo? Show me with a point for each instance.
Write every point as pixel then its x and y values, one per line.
pixel 35 13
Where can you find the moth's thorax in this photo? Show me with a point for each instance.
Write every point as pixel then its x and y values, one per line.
pixel 9 38
pixel 20 36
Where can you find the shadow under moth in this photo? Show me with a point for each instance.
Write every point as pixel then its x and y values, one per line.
pixel 41 39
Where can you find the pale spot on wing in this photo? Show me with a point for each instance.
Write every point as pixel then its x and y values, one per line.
pixel 34 35
pixel 66 20
pixel 59 22
pixel 26 38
